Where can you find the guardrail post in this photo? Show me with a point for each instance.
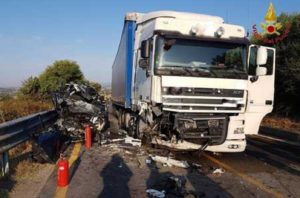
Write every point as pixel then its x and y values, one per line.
pixel 4 163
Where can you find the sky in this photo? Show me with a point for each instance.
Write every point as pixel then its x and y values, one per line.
pixel 35 33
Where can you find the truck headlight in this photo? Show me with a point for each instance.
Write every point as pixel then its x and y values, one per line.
pixel 239 130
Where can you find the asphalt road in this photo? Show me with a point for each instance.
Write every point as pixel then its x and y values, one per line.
pixel 268 168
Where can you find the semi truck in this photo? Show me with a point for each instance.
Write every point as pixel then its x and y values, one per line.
pixel 191 80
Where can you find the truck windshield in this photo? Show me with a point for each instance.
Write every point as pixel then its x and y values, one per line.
pixel 200 58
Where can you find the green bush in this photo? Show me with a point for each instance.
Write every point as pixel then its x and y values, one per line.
pixel 287 79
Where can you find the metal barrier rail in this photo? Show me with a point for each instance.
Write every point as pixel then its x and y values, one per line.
pixel 16 131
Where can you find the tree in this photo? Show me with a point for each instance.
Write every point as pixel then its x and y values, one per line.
pixel 61 72
pixel 95 85
pixel 30 87
pixel 287 80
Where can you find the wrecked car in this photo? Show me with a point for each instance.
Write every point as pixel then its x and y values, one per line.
pixel 79 105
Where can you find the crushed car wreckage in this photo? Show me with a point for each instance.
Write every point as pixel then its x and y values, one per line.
pixel 79 105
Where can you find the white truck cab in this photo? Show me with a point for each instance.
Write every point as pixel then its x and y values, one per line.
pixel 191 78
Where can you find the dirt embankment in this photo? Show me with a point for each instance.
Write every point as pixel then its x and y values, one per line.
pixel 282 123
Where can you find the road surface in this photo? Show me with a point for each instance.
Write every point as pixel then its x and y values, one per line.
pixel 268 168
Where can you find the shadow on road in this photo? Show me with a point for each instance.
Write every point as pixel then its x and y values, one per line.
pixel 116 175
pixel 201 184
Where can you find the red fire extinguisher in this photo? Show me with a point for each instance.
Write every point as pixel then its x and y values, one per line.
pixel 62 172
pixel 88 137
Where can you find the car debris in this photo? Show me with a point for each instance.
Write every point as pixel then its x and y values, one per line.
pixel 218 171
pixel 170 162
pixel 133 141
pixel 78 105
pixel 47 146
pixel 148 161
pixel 156 193
pixel 177 185
pixel 181 145
pixel 195 165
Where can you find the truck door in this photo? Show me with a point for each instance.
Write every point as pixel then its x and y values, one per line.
pixel 143 75
pixel 260 89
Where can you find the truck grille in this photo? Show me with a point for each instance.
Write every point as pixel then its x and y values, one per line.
pixel 204 100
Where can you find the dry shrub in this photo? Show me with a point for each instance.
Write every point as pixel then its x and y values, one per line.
pixel 24 147
pixel 14 108
pixel 26 169
pixel 282 123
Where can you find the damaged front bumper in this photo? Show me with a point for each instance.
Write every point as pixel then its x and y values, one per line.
pixel 200 129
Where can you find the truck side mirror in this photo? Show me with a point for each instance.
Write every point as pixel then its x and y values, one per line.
pixel 145 49
pixel 262 56
pixel 261 71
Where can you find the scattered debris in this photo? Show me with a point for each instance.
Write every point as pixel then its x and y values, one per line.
pixel 195 165
pixel 132 141
pixel 128 153
pixel 216 153
pixel 177 185
pixel 181 145
pixel 156 193
pixel 78 105
pixel 218 171
pixel 148 161
pixel 170 162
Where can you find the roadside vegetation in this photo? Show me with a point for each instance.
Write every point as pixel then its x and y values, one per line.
pixel 286 112
pixel 35 93
pixel 34 96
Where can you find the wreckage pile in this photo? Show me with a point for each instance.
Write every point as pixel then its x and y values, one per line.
pixel 79 105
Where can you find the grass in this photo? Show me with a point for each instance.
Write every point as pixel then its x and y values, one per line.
pixel 14 108
pixel 21 168
pixel 282 123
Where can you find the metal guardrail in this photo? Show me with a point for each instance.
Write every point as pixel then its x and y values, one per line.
pixel 16 131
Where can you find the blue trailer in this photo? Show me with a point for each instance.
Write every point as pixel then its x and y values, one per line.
pixel 122 67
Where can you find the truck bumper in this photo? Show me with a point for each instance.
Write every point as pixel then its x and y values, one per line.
pixel 229 146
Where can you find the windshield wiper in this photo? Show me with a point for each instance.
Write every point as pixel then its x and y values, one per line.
pixel 206 70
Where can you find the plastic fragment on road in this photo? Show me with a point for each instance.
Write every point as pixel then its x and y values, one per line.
pixel 181 145
pixel 195 165
pixel 156 193
pixel 170 162
pixel 132 141
pixel 219 171
pixel 148 161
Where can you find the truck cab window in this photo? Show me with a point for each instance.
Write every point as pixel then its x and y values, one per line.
pixel 252 61
pixel 200 58
pixel 270 62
